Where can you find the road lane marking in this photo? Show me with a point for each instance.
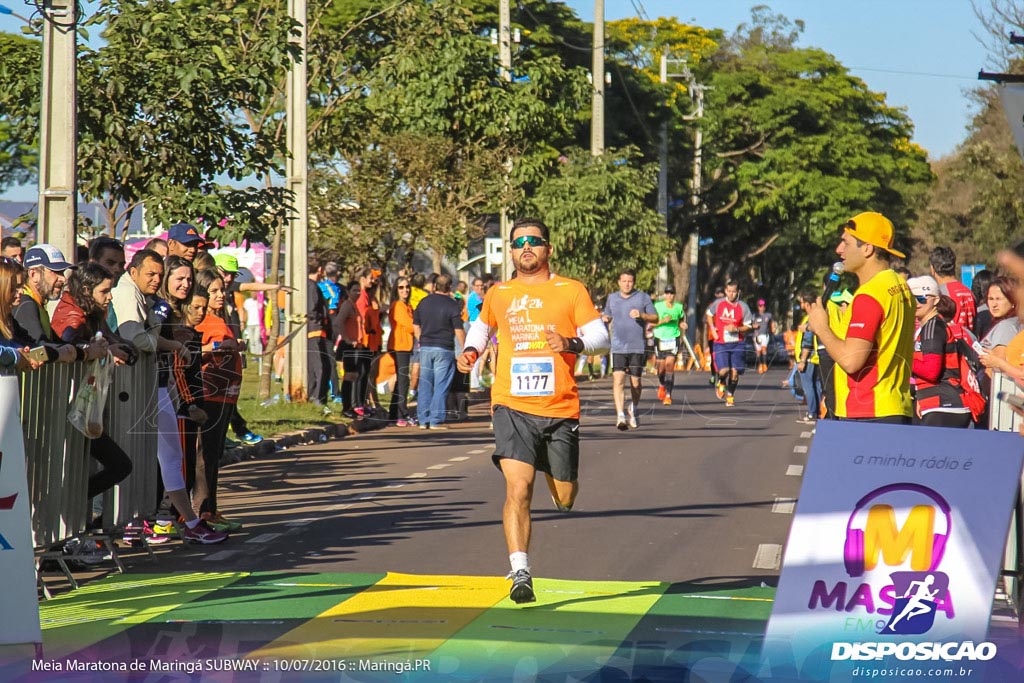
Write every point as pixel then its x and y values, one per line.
pixel 477 451
pixel 795 471
pixel 805 435
pixel 769 556
pixel 263 538
pixel 799 449
pixel 299 522
pixel 439 467
pixel 784 506
pixel 222 555
pixel 417 475
pixel 458 459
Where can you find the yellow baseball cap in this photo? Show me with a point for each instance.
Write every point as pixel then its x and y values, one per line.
pixel 873 228
pixel 226 262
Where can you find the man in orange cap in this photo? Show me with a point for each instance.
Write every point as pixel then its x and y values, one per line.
pixel 872 344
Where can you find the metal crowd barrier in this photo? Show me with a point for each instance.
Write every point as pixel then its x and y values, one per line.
pixel 1002 418
pixel 130 420
pixel 57 455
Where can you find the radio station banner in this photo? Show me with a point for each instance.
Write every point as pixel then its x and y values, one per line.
pixel 19 605
pixel 893 555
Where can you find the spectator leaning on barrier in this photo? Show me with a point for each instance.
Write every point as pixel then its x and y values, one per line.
pixel 13 353
pixel 46 268
pixel 943 269
pixel 132 300
pixel 873 345
pixel 938 401
pixel 174 292
pixel 11 247
pixel 1002 303
pixel 80 317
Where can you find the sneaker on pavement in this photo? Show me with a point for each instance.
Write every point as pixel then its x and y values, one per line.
pixel 633 424
pixel 522 587
pixel 401 423
pixel 219 522
pixel 165 529
pixel 661 393
pixel 620 423
pixel 720 390
pixel 202 533
pixel 252 438
pixel 667 400
pixel 730 401
pixel 424 425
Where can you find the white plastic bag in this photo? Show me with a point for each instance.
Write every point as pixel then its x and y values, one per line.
pixel 86 410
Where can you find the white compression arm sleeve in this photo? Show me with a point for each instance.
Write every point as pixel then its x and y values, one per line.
pixel 595 338
pixel 478 336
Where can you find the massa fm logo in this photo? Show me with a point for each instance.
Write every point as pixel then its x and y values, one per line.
pixel 872 535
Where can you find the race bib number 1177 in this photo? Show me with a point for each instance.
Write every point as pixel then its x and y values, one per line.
pixel 533 376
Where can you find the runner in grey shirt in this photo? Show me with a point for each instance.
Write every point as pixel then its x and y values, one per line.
pixel 628 311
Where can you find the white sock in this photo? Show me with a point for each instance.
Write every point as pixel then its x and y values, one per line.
pixel 193 523
pixel 519 561
pixel 632 408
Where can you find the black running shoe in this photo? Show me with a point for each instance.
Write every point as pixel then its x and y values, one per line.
pixel 522 587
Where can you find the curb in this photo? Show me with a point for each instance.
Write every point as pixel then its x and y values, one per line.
pixel 279 442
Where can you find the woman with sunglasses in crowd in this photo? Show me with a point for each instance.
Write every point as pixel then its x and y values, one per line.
pixel 175 291
pixel 938 399
pixel 400 343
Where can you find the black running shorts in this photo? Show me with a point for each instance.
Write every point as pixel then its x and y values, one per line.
pixel 551 445
pixel 630 363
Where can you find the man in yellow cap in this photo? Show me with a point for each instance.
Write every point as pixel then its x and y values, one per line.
pixel 872 344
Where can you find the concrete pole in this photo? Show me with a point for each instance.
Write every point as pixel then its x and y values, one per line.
pixel 698 141
pixel 597 76
pixel 505 61
pixel 296 244
pixel 663 152
pixel 58 195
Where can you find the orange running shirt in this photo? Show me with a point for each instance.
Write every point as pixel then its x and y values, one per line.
pixel 531 378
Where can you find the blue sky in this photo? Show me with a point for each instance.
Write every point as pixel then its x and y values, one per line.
pixel 922 53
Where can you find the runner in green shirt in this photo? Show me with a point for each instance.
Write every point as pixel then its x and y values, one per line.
pixel 666 340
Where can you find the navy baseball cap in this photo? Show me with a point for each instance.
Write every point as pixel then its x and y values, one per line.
pixel 47 256
pixel 184 233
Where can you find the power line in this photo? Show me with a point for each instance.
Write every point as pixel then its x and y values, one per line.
pixel 911 73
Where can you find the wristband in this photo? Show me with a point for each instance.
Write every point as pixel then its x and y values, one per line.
pixel 575 345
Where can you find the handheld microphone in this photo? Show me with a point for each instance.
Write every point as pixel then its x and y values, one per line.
pixel 833 280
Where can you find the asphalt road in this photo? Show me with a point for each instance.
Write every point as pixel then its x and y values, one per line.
pixel 688 497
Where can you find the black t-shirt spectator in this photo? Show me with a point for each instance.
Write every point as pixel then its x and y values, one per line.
pixel 317 308
pixel 438 316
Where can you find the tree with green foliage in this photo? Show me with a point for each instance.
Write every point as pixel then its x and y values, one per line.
pixel 600 220
pixel 158 108
pixel 795 146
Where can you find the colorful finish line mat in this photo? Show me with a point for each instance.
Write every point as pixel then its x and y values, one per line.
pixel 395 627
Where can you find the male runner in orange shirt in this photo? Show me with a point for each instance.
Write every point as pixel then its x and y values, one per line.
pixel 543 321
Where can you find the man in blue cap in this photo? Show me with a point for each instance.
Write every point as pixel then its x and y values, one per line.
pixel 183 240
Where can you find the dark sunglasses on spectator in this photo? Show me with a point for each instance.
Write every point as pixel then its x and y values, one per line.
pixel 532 240
pixel 10 261
pixel 921 298
pixel 403 286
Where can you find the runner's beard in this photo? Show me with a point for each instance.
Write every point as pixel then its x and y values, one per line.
pixel 534 266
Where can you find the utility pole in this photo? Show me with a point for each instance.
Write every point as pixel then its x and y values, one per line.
pixel 597 76
pixel 698 140
pixel 58 152
pixel 663 151
pixel 296 243
pixel 505 61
